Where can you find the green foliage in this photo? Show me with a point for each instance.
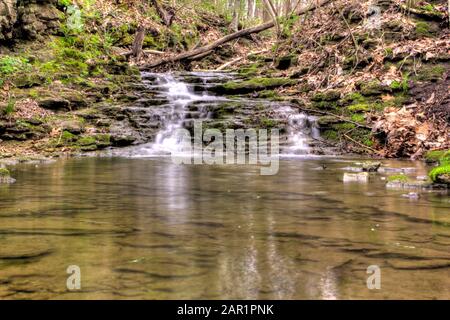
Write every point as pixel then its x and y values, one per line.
pixel 10 65
pixel 431 73
pixel 401 85
pixel 64 3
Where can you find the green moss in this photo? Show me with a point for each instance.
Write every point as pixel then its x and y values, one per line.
pixel 86 141
pixel 372 88
pixel 360 107
pixel 66 136
pixel 267 123
pixel 330 134
pixel 330 95
pixel 422 28
pixel 4 172
pixel 398 178
pixel 268 94
pixel 400 85
pixel 440 174
pixel 346 126
pixel 354 98
pixel 10 107
pixel 358 118
pixel 431 73
pixel 434 156
pixel 256 84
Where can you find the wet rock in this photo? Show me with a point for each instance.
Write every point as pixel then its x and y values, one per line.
pixel 8 17
pixel 122 140
pixel 396 170
pixel 5 177
pixel 412 184
pixel 55 104
pixel 353 169
pixel 373 88
pixel 356 177
pixel 74 127
pixel 371 166
pixel 256 84
pixel 28 80
pixel 411 195
pixel 285 62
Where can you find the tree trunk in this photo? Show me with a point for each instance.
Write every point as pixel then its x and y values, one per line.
pixel 136 49
pixel 166 16
pixel 236 15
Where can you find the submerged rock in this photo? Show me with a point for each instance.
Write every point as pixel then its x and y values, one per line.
pixel 371 166
pixel 356 177
pixel 5 177
pixel 411 195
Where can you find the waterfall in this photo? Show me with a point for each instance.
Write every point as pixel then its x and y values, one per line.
pixel 180 96
pixel 302 131
pixel 187 98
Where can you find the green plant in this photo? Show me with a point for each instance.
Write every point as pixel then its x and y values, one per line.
pixel 9 109
pixel 10 64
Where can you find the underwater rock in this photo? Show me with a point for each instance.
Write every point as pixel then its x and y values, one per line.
pixel 356 177
pixel 371 166
pixel 5 177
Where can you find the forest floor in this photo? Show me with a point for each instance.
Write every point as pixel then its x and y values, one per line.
pixel 377 76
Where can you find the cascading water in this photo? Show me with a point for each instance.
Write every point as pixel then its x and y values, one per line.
pixel 180 96
pixel 302 131
pixel 187 98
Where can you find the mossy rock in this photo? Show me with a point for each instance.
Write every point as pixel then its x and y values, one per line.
pixel 330 95
pixel 28 80
pixel 256 84
pixel 436 156
pixel 86 141
pixel 373 88
pixel 360 107
pixel 431 73
pixel 425 29
pixel 441 174
pixel 4 172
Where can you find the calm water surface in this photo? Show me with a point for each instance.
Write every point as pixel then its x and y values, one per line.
pixel 149 229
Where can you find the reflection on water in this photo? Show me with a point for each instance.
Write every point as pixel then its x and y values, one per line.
pixel 154 230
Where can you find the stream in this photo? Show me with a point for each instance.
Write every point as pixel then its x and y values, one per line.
pixel 141 227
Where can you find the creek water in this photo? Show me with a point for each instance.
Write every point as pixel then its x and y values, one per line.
pixel 147 228
pixel 142 227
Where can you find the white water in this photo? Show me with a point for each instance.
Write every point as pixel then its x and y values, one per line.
pixel 301 131
pixel 179 97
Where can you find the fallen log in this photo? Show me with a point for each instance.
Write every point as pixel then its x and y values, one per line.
pixel 227 38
